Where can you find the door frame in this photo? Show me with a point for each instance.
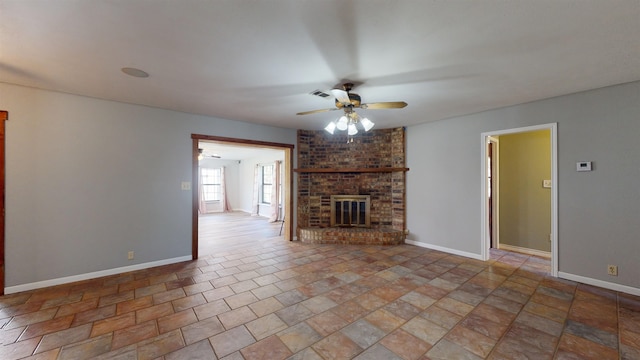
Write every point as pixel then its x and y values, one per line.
pixel 484 243
pixel 4 115
pixel 287 182
pixel 495 191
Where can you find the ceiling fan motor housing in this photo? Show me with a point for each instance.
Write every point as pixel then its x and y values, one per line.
pixel 353 98
pixel 348 102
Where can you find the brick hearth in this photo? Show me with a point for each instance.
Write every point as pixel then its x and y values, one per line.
pixel 351 236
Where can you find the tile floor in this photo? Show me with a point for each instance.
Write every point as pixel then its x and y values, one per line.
pixel 286 300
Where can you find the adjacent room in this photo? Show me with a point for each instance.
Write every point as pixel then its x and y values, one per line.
pixel 299 179
pixel 240 194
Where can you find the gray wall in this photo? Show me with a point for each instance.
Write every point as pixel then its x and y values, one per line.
pixel 525 205
pixel 66 154
pixel 598 211
pixel 88 180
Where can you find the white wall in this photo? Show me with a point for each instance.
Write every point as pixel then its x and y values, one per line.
pixel 598 211
pixel 247 168
pixel 88 180
pixel 232 174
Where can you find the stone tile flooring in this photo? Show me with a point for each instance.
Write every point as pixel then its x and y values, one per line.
pixel 278 300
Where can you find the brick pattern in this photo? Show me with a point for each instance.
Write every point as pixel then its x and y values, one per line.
pixel 351 236
pixel 398 180
pixel 383 148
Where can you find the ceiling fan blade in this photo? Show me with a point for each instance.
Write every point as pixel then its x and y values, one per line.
pixel 315 111
pixel 341 96
pixel 384 105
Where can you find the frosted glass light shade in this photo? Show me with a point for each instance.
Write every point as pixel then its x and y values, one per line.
pixel 331 127
pixel 366 124
pixel 352 129
pixel 342 123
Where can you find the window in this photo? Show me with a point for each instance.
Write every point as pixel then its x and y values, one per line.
pixel 267 183
pixel 211 181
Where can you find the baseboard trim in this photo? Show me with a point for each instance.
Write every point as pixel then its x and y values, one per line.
pixel 444 249
pixel 563 275
pixel 93 275
pixel 527 251
pixel 600 283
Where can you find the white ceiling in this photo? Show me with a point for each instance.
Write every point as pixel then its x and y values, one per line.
pixel 257 61
pixel 227 151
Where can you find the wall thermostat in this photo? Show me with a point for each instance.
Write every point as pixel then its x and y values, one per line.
pixel 583 166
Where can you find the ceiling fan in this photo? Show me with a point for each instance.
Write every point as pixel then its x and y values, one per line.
pixel 348 101
pixel 202 155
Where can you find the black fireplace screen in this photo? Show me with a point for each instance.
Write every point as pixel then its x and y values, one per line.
pixel 350 211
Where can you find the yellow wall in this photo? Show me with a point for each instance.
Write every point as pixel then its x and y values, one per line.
pixel 524 204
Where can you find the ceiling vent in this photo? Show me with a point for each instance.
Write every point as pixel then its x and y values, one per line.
pixel 319 93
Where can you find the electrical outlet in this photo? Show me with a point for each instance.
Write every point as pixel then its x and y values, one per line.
pixel 130 255
pixel 612 270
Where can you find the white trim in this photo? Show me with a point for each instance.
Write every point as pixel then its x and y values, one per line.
pixel 600 283
pixel 92 275
pixel 518 249
pixel 496 190
pixel 444 249
pixel 553 128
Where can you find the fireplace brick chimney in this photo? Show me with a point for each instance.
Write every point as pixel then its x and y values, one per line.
pixel 373 164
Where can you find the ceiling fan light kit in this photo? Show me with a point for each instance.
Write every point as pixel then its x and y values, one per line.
pixel 352 129
pixel 331 127
pixel 348 102
pixel 366 124
pixel 349 122
pixel 342 123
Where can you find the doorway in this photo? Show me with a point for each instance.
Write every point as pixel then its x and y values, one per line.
pixel 287 182
pixel 491 189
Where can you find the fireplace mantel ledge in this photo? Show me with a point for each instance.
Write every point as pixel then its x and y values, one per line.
pixel 351 170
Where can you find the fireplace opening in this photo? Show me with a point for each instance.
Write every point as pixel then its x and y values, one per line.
pixel 351 211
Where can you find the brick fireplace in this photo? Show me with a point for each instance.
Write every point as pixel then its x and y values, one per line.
pixel 372 166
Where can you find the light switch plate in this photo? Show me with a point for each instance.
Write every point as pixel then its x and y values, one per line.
pixel 583 166
pixel 186 185
pixel 546 183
